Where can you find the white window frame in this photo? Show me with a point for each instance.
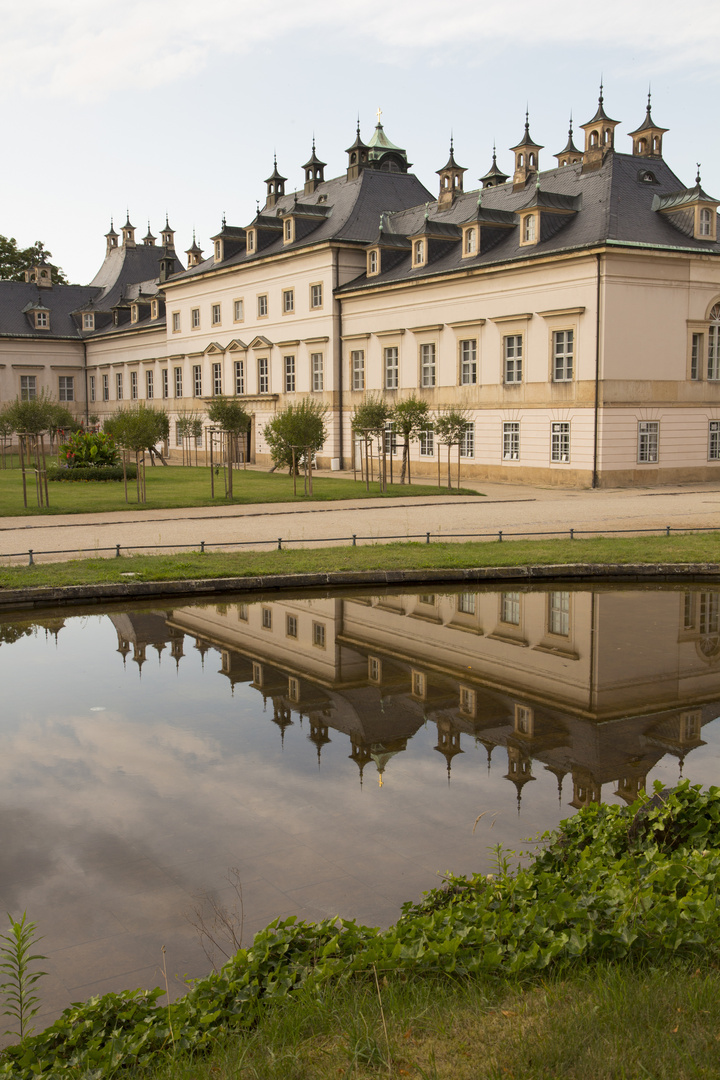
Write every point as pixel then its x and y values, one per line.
pixel 263 370
pixel 238 310
pixel 216 315
pixel 705 222
pixel 149 384
pixel 713 351
pixel 133 385
pixel 714 440
pixel 559 613
pixel 317 368
pixel 510 610
pixel 197 380
pixel 262 306
pixel 357 369
pixel 195 318
pixel 289 373
pixel 118 385
pixel 178 380
pixel 165 383
pixel 648 442
pixel 106 387
pixel 511 440
pixel 66 388
pixel 697 350
pixel 42 320
pixel 319 636
pixel 316 296
pixel 428 358
pixel 563 351
pixel 288 301
pixel 28 388
pixel 217 379
pixel 560 441
pixel 176 322
pixel 89 322
pixel 468 362
pixel 291 626
pixel 373 264
pixel 92 387
pixel 427 442
pixel 391 367
pixel 467 441
pixel 512 359
pixel 239 376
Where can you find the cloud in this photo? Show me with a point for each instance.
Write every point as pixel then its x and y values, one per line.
pixel 85 51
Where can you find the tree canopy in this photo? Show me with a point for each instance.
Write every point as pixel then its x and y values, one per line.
pixel 14 260
pixel 300 426
pixel 229 415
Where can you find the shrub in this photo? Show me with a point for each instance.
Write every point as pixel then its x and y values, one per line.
pixel 85 449
pixel 90 472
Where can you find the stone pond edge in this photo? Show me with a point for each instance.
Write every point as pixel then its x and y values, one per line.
pixel 68 595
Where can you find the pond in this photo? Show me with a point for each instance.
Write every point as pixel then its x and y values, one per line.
pixel 311 756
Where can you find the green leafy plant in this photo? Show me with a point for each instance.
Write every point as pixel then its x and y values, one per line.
pixel 85 449
pixel 296 431
pixel 16 958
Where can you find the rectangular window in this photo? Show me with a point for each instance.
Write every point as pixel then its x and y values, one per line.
pixel 176 322
pixel 511 441
pixel 149 384
pixel 239 376
pixel 648 438
pixel 714 441
pixel 563 347
pixel 242 612
pixel 374 669
pixel 178 382
pixel 195 318
pixel 318 635
pixel 467 701
pixel 316 296
pixel 133 385
pixel 466 603
pixel 106 387
pixel 467 442
pixel 291 626
pixel 293 689
pixel 263 376
pixel 288 230
pixel 391 443
pixel 357 365
pixel 28 387
pixel 217 379
pixel 119 385
pixel 238 310
pixel 391 367
pixel 713 368
pixel 373 262
pixel 289 372
pixel 468 363
pixel 418 683
pixel 510 608
pixel 92 387
pixel 41 319
pixel 559 613
pixel 178 433
pixel 262 306
pixel 197 380
pixel 560 442
pixel 267 618
pixel 427 365
pixel 216 315
pixel 66 388
pixel 316 363
pixel 288 301
pixel 427 443
pixel 165 383
pixel 88 322
pixel 696 355
pixel 512 351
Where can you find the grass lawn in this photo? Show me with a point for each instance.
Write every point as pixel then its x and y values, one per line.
pixel 693 548
pixel 175 487
pixel 591 1023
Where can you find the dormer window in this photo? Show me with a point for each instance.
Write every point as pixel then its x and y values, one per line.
pixel 419 253
pixel 154 309
pixel 470 241
pixel 373 263
pixel 218 251
pixel 89 321
pixel 528 229
pixel 250 240
pixel 42 320
pixel 705 222
pixel 288 231
pixel 134 313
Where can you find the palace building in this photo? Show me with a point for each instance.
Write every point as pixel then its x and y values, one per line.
pixel 573 311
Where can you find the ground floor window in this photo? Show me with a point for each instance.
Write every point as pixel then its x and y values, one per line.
pixel 66 388
pixel 92 387
pixel 427 443
pixel 263 376
pixel 28 387
pixel 648 439
pixel 357 360
pixel 559 613
pixel 316 362
pixel 560 442
pixel 714 441
pixel 239 377
pixel 197 380
pixel 511 441
pixel 510 608
pixel 467 441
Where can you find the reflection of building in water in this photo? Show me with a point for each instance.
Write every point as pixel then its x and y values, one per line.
pixel 595 687
pixel 139 630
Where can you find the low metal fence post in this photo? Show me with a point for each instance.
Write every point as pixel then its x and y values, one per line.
pixel 117 551
pixel 354 543
pixel 500 536
pixel 427 538
pixel 202 547
pixel 31 561
pixel 279 547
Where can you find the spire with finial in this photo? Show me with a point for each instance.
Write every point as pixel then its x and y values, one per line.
pixel 168 234
pixel 599 135
pixel 128 233
pixel 314 171
pixel 569 155
pixel 527 156
pixel 451 179
pixel 494 175
pixel 194 254
pixel 149 239
pixel 275 185
pixel 112 238
pixel 647 139
pixel 358 155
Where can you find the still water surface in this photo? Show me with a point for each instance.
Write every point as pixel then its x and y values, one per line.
pixel 337 751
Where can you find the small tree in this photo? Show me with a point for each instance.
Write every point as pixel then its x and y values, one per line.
pixel 410 417
pixel 295 434
pixel 137 430
pixel 369 419
pixel 190 429
pixel 6 431
pixel 450 428
pixel 229 415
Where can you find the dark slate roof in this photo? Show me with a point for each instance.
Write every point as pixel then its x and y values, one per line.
pixel 351 208
pixel 616 206
pixel 124 266
pixel 61 300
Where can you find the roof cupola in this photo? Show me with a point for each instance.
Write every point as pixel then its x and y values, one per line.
pixel 451 180
pixel 194 254
pixel 275 185
pixel 357 155
pixel 168 235
pixel 647 139
pixel 599 136
pixel 385 155
pixel 149 239
pixel 570 155
pixel 112 238
pixel 527 156
pixel 314 172
pixel 128 233
pixel 494 175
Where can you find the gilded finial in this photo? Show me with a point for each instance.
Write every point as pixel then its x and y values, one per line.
pixel 379 114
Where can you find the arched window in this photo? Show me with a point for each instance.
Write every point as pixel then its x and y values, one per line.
pixel 520 161
pixel 594 138
pixel 419 252
pixel 713 359
pixel 529 228
pixel 470 242
pixel 642 146
pixel 656 145
pixel 531 161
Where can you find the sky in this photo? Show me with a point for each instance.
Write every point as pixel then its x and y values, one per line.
pixel 155 106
